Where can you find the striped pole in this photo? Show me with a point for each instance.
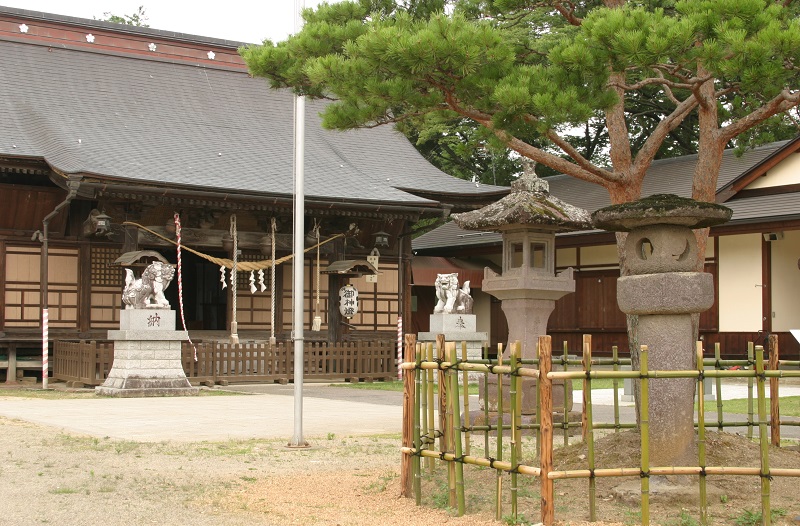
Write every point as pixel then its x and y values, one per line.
pixel 45 347
pixel 399 347
pixel 180 280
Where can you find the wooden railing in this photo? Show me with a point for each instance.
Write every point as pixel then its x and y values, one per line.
pixel 89 362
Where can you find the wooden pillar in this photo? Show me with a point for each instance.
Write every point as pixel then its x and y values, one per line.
pixel 85 287
pixel 279 299
pixel 11 372
pixel 335 282
pixel 2 283
pixel 404 269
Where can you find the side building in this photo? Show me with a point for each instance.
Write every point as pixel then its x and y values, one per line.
pixel 755 258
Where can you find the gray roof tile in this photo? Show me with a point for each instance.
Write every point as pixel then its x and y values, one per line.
pixel 140 120
pixel 665 176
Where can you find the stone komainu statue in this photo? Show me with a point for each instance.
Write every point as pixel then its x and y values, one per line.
pixel 147 292
pixel 452 300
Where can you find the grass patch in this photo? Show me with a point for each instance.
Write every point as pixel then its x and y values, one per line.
pixel 397 386
pixel 790 406
pixel 74 394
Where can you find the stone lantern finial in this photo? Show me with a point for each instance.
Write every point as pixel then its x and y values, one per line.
pixel 529 181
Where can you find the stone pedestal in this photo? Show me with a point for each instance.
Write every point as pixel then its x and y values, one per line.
pixel 457 328
pixel 147 356
pixel 664 304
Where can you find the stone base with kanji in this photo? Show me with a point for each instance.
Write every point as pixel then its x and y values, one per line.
pixel 147 357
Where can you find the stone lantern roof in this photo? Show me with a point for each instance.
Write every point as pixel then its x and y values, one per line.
pixel 663 209
pixel 529 203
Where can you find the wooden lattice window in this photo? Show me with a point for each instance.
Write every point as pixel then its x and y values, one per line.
pixel 103 272
pixel 243 277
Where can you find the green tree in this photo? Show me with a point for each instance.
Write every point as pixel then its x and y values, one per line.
pixel 532 72
pixel 136 19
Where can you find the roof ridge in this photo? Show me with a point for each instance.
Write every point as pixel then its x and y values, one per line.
pixel 120 28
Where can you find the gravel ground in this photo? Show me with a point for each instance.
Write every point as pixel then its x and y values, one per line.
pixel 50 477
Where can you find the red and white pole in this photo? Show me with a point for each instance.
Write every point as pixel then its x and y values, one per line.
pixel 399 347
pixel 45 347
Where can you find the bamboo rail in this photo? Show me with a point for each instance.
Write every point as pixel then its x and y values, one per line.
pixel 455 438
pixel 701 436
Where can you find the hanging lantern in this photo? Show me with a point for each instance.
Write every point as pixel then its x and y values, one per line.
pixel 381 239
pixel 348 301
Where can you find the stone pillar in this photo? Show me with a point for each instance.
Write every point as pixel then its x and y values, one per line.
pixel 147 356
pixel 664 304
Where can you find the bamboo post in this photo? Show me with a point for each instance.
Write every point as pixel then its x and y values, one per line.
pixel 565 420
pixel 546 430
pixel 588 424
pixel 762 435
pixel 750 393
pixel 615 354
pixel 486 404
pixel 774 398
pixel 717 356
pixel 431 438
pixel 515 421
pixel 644 429
pixel 410 420
pixel 465 379
pixel 701 435
pixel 446 419
pixel 499 445
pixel 417 379
pixel 455 411
pixel 423 402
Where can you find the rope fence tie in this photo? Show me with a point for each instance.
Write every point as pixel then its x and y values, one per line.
pixel 459 459
pixel 702 471
pixel 491 462
pixel 441 455
pixel 767 476
pixel 644 474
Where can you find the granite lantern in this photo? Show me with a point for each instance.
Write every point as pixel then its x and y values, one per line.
pixel 528 219
pixel 661 293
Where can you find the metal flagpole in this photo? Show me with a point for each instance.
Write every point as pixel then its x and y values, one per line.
pixel 298 288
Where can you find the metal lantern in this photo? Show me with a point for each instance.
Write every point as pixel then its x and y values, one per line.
pixel 97 224
pixel 348 301
pixel 381 239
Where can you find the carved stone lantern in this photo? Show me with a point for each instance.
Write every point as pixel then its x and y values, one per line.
pixel 528 219
pixel 663 291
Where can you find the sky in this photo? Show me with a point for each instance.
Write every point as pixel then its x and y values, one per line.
pixel 247 21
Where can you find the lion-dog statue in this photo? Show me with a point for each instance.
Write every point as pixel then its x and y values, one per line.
pixel 147 292
pixel 452 300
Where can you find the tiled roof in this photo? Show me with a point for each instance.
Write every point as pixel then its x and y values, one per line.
pixel 665 176
pixel 132 119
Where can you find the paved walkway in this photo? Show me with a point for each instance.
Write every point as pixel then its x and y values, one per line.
pixel 267 413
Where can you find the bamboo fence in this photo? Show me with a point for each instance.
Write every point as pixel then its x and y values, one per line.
pixel 420 431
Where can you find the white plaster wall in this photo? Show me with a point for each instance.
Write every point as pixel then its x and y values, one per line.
pixel 566 257
pixel 786 282
pixel 600 255
pixel 785 172
pixel 739 273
